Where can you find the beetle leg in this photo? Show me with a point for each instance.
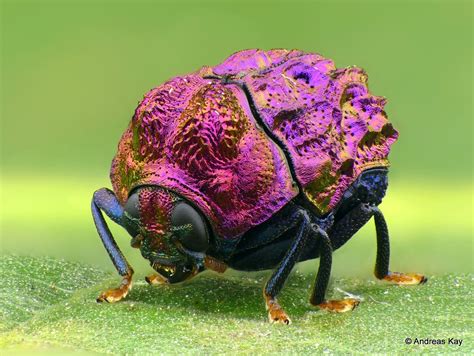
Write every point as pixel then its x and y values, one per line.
pixel 116 294
pixel 383 246
pixel 275 312
pixel 214 264
pixel 156 278
pixel 104 199
pixel 383 256
pixel 350 223
pixel 322 279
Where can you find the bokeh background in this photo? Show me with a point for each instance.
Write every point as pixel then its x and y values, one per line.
pixel 72 73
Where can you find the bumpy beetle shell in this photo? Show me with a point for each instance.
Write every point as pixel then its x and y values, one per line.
pixel 197 135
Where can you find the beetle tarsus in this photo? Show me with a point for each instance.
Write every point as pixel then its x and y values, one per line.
pixel 116 294
pixel 276 314
pixel 156 278
pixel 405 278
pixel 339 306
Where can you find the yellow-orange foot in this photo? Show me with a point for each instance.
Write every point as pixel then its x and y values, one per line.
pixel 276 314
pixel 156 279
pixel 114 295
pixel 405 278
pixel 339 306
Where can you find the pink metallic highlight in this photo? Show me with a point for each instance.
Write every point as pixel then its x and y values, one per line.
pixel 240 63
pixel 332 126
pixel 199 138
pixel 155 208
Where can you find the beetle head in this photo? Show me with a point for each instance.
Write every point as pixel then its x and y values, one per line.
pixel 170 232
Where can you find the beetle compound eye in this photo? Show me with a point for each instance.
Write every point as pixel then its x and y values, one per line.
pixel 191 227
pixel 131 206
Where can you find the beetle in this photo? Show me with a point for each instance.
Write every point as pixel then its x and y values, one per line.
pixel 265 160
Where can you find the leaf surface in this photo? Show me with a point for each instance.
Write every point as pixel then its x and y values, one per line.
pixel 49 304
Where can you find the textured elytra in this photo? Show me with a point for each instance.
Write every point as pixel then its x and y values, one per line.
pixel 326 118
pixel 209 130
pixel 197 135
pixel 206 146
pixel 240 63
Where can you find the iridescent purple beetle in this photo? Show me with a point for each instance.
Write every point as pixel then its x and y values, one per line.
pixel 268 159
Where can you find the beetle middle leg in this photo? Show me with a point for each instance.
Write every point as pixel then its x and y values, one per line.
pixel 322 278
pixel 104 199
pixel 276 314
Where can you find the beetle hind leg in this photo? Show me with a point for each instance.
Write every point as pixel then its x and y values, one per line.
pixel 104 199
pixel 383 257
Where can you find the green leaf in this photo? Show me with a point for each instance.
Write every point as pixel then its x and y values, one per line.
pixel 49 304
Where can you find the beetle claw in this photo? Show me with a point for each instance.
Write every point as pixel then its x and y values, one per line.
pixel 276 314
pixel 278 317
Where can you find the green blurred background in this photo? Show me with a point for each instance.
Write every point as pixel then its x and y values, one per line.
pixel 73 72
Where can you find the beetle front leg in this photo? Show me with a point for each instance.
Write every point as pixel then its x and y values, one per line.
pixel 383 256
pixel 276 314
pixel 104 199
pixel 322 279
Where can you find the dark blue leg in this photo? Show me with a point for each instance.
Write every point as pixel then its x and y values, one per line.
pixel 383 245
pixel 104 199
pixel 383 256
pixel 350 223
pixel 279 276
pixel 342 230
pixel 322 279
pixel 324 271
